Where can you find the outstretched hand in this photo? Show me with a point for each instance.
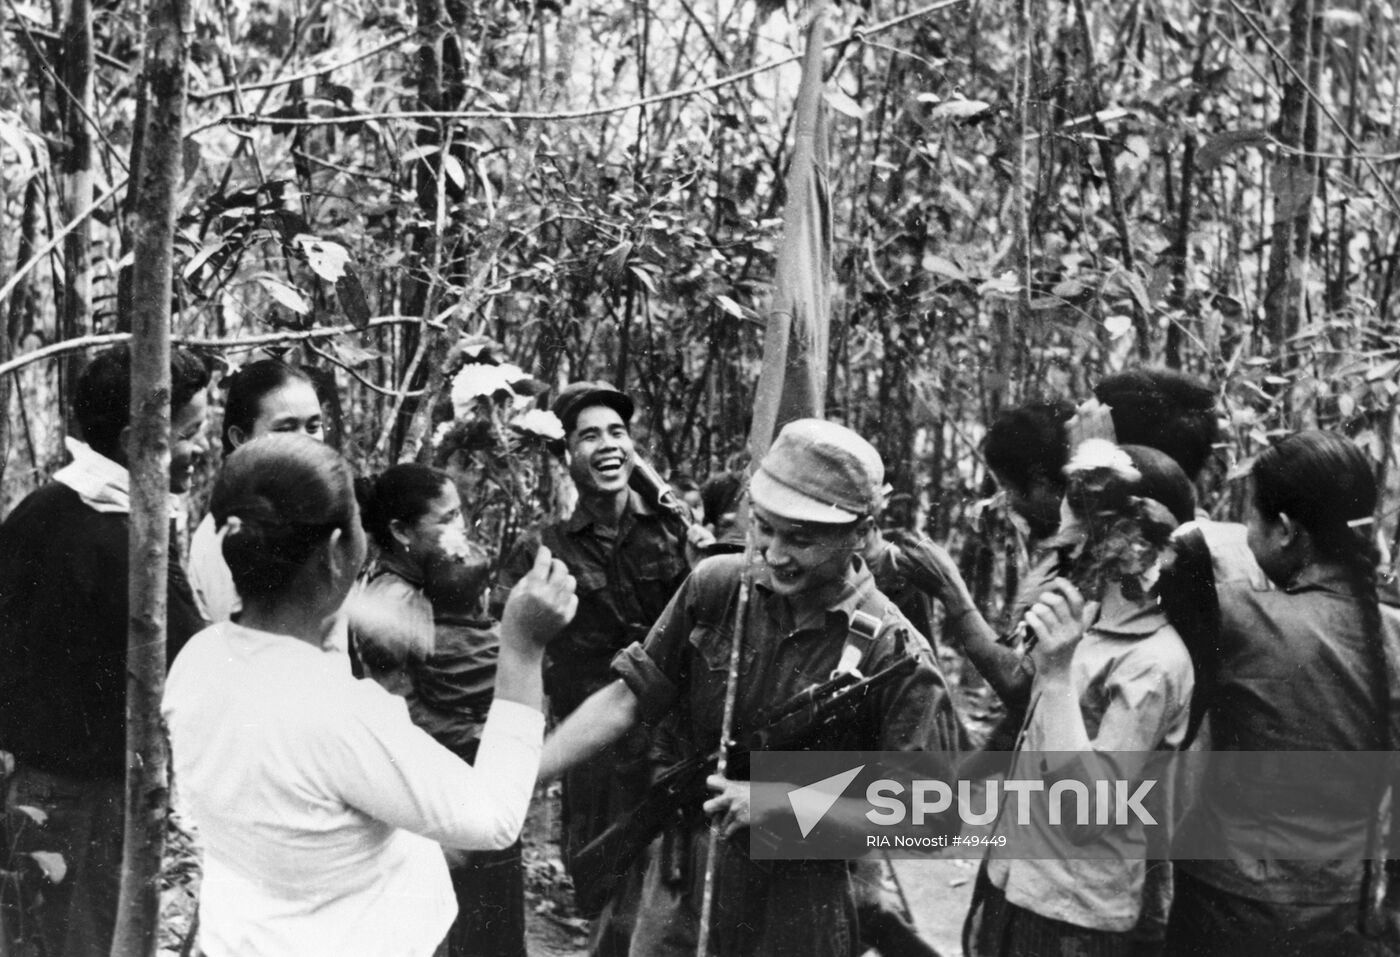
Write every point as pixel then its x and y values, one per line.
pixel 540 604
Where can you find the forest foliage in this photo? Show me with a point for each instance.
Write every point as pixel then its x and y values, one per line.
pixel 1025 196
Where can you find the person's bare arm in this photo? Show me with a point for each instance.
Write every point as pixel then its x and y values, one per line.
pixel 935 573
pixel 540 605
pixel 606 716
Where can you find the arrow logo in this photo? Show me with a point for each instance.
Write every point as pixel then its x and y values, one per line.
pixel 811 801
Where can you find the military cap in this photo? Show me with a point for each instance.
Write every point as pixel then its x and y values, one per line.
pixel 818 471
pixel 577 396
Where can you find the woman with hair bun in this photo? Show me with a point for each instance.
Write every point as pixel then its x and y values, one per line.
pixel 320 805
pixel 1300 665
pixel 417 626
pixel 264 397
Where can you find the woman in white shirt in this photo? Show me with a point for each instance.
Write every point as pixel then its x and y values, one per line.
pixel 264 397
pixel 321 807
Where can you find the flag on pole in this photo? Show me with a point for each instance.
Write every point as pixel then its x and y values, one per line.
pixel 792 383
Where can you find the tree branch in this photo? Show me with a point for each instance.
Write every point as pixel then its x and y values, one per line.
pixel 195 342
pixel 858 35
pixel 57 238
pixel 218 91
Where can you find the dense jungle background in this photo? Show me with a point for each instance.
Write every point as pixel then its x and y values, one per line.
pixel 1024 197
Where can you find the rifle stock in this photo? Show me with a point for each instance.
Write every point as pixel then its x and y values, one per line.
pixel 604 861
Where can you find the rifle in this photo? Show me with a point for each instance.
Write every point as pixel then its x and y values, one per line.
pixel 657 491
pixel 785 727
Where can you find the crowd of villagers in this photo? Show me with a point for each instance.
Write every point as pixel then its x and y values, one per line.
pixel 358 695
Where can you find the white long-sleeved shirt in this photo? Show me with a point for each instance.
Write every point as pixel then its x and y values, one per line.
pixel 321 806
pixel 210 579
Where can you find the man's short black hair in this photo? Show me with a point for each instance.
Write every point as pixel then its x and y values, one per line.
pixel 1028 444
pixel 1165 410
pixel 102 403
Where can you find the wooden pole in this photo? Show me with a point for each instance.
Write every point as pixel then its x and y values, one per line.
pixel 731 694
pixel 152 223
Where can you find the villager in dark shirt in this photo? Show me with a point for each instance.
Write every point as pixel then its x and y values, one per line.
pixel 63 637
pixel 63 624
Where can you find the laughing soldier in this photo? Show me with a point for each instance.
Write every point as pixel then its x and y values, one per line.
pixel 628 558
pixel 813 498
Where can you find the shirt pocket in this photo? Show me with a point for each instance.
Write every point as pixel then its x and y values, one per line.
pixel 656 571
pixel 710 647
pixel 588 581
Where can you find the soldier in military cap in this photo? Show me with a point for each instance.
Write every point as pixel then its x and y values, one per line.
pixel 628 557
pixel 813 499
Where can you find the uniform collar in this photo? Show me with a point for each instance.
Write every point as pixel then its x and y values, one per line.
pixel 1320 577
pixel 388 562
pixel 581 519
pixel 1120 617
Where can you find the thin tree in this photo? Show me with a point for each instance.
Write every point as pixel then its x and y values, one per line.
pixel 76 108
pixel 152 228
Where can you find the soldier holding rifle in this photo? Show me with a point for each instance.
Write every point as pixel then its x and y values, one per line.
pixel 812 608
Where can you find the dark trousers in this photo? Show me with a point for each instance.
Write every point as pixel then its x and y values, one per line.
pixel 84 820
pixel 490 889
pixel 883 926
pixel 774 909
pixel 996 927
pixel 1206 921
pixel 597 793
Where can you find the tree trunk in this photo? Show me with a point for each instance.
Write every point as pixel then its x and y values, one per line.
pixel 1294 179
pixel 152 229
pixel 76 314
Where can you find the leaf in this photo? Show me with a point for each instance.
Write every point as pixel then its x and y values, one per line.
pixel 419 152
pixel 1341 19
pixel 354 355
pixel 843 104
pixel 1068 289
pixel 1214 150
pixel 644 277
pixel 730 306
pixel 351 295
pixel 53 865
pixel 452 166
pixel 190 156
pixel 284 294
pixel 1108 115
pixel 1383 371
pixel 1003 285
pixel 614 259
pixel 944 267
pixel 326 259
pixel 1129 281
pixel 36 815
pixel 959 109
pixel 1118 326
pixel 199 259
